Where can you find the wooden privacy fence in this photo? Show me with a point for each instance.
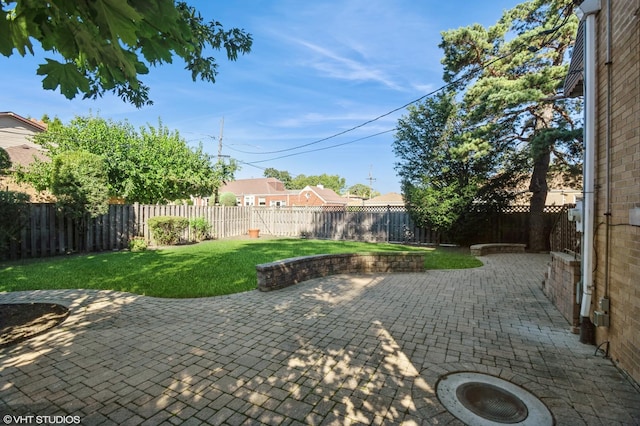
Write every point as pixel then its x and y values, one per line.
pixel 48 234
pixel 380 224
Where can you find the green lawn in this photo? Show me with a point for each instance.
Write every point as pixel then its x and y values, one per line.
pixel 210 268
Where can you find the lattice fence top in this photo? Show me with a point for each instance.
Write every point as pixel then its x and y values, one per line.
pixel 356 209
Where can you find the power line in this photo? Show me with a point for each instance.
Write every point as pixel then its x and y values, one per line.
pixel 323 148
pixel 467 75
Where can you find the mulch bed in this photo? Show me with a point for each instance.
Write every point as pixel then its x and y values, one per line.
pixel 21 321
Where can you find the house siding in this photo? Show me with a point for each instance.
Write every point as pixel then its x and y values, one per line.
pixel 623 286
pixel 17 131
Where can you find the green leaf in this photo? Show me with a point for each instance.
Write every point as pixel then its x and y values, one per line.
pixel 14 34
pixel 156 50
pixel 67 76
pixel 119 18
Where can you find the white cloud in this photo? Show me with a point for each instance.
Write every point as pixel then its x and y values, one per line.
pixel 345 68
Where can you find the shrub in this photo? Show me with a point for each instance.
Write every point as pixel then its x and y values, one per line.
pixel 167 230
pixel 227 199
pixel 14 215
pixel 79 182
pixel 199 228
pixel 137 244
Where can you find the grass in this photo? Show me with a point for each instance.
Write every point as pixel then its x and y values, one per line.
pixel 210 268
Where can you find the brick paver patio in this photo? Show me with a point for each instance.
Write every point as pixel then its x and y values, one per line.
pixel 340 350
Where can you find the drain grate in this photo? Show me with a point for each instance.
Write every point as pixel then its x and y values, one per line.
pixel 491 402
pixel 484 400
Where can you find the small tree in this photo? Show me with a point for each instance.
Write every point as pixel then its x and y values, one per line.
pixel 79 182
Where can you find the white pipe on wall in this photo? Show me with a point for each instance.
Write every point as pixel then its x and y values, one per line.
pixel 590 84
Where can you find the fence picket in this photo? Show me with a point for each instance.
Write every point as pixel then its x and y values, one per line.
pixel 48 233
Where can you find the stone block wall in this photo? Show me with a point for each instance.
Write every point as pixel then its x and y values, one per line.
pixel 560 286
pixel 284 273
pixel 493 248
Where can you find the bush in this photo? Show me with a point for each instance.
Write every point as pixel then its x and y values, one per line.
pixel 227 199
pixel 199 228
pixel 137 244
pixel 14 215
pixel 79 182
pixel 167 230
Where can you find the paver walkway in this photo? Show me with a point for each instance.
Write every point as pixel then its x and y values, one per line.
pixel 338 350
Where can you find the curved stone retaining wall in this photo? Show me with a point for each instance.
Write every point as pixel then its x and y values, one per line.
pixel 483 249
pixel 287 272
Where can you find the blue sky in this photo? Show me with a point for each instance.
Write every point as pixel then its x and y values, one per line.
pixel 316 69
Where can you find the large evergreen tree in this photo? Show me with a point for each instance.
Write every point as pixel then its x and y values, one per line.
pixel 510 74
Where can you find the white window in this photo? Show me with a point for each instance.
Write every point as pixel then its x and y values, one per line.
pixel 249 200
pixel 262 201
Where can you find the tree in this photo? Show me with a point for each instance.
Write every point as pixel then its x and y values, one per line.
pixel 223 173
pixel 105 45
pixel 334 182
pixel 446 165
pixel 361 190
pixel 78 180
pixel 153 165
pixel 282 175
pixel 510 73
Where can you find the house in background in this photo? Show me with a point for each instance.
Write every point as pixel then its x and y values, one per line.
pixel 16 133
pixel 390 199
pixel 605 69
pixel 319 196
pixel 270 192
pixel 259 192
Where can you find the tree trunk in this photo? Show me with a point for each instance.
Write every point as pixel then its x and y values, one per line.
pixel 538 187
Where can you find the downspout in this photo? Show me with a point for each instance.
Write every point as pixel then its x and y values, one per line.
pixel 607 255
pixel 587 11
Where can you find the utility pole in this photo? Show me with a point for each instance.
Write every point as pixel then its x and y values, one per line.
pixel 220 139
pixel 370 179
pixel 216 196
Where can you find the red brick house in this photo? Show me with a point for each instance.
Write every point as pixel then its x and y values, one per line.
pixel 319 196
pixel 270 192
pixel 259 192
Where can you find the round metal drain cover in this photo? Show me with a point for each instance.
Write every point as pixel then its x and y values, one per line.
pixel 492 402
pixel 484 400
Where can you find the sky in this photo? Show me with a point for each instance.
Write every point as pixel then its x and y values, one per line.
pixel 316 69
